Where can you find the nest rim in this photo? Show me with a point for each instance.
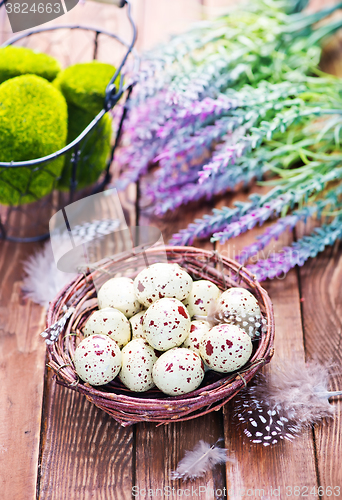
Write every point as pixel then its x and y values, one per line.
pixel 128 407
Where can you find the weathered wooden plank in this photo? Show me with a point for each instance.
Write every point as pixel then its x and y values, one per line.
pixel 158 450
pixel 268 463
pixel 85 453
pixel 320 281
pixel 22 355
pixel 285 464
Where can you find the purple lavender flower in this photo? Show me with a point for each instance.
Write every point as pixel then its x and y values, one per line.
pixel 203 228
pixel 255 133
pixel 196 114
pixel 252 218
pixel 275 231
pixel 140 130
pixel 180 156
pixel 279 264
pixel 227 154
pixel 177 194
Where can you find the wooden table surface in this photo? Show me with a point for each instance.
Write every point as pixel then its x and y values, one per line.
pixel 55 445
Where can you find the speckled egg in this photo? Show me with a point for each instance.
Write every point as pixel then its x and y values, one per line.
pixel 162 280
pixel 203 292
pixel 225 348
pixel 97 359
pixel 178 371
pixel 119 293
pixel 166 324
pixel 197 329
pixel 138 358
pixel 137 325
pixel 111 322
pixel 239 307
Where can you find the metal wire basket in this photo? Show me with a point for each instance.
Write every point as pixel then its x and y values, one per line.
pixel 29 221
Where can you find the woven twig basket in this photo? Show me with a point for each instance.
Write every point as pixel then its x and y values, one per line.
pixel 128 407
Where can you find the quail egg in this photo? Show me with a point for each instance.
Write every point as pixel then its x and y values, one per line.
pixel 162 280
pixel 97 359
pixel 237 306
pixel 119 293
pixel 137 325
pixel 111 322
pixel 202 294
pixel 178 371
pixel 225 348
pixel 166 324
pixel 138 358
pixel 197 330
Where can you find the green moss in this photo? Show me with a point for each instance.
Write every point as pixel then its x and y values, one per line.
pixel 95 148
pixel 57 81
pixel 33 124
pixel 16 61
pixel 84 85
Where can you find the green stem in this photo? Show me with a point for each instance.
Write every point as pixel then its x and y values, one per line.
pixel 311 19
pixel 324 31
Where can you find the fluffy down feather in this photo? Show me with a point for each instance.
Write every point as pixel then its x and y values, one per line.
pixel 43 280
pixel 200 460
pixel 216 316
pixel 281 405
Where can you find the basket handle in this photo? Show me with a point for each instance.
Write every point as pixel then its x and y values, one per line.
pixel 118 3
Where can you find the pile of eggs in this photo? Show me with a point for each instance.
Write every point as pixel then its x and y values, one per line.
pixel 146 332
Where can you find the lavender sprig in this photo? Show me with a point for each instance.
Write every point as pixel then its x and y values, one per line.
pixel 197 114
pixel 292 192
pixel 254 217
pixel 278 264
pixel 274 232
pixel 176 194
pixel 205 227
pixel 331 199
pixel 266 130
pixel 296 191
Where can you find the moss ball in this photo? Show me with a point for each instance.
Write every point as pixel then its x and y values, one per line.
pixel 95 148
pixel 84 85
pixel 17 61
pixel 33 124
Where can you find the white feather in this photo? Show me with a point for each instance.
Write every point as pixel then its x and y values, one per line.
pixel 301 393
pixel 282 404
pixel 200 460
pixel 43 279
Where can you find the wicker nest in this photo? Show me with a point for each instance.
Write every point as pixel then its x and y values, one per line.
pixel 124 405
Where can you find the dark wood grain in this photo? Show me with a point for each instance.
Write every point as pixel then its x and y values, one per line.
pixel 321 291
pixel 22 356
pixel 285 464
pixel 85 453
pixel 158 451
